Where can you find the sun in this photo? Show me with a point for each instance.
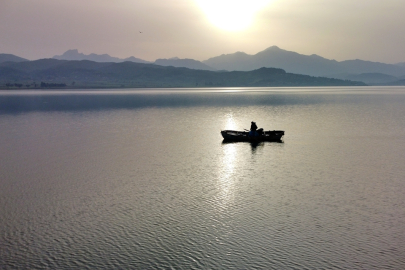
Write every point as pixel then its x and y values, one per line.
pixel 232 15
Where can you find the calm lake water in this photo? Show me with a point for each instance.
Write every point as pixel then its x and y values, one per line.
pixel 141 179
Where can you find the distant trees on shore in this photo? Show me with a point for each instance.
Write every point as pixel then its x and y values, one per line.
pixel 19 85
pixel 47 85
pixel 35 85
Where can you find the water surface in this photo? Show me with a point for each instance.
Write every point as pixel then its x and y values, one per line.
pixel 141 179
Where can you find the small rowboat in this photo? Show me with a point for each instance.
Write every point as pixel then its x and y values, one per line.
pixel 243 136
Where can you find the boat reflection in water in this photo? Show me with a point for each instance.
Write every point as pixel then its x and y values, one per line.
pixel 253 144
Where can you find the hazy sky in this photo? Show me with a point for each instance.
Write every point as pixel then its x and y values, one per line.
pixel 199 29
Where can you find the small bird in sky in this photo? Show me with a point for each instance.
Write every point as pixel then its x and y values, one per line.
pixel 140 32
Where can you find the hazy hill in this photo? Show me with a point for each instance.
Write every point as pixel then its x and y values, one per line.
pixel 75 55
pixel 33 66
pixel 375 78
pixel 4 57
pixel 187 63
pixel 82 74
pixel 275 57
pixel 237 61
pixel 372 78
pixel 313 65
pixel 398 83
pixel 361 66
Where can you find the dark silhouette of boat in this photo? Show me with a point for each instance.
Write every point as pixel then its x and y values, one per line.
pixel 261 136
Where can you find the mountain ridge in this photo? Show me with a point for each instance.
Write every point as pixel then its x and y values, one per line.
pixel 6 57
pixel 273 56
pixel 187 63
pixel 75 55
pixel 313 65
pixel 89 74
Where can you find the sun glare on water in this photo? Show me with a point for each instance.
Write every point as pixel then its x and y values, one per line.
pixel 232 15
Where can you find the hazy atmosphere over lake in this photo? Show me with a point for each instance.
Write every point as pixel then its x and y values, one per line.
pixel 127 138
pixel 199 29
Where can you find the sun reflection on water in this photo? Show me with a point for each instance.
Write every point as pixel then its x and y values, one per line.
pixel 230 123
pixel 226 179
pixel 227 166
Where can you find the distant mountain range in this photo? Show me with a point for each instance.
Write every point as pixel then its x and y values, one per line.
pixel 187 63
pixel 370 78
pixel 10 58
pixel 313 65
pixel 53 73
pixel 72 55
pixel 401 64
pixel 374 73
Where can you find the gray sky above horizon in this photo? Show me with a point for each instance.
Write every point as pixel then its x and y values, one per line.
pixel 199 29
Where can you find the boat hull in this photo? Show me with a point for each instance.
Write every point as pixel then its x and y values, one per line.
pixel 243 136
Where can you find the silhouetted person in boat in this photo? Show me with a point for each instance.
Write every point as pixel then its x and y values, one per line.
pixel 254 132
pixel 253 126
